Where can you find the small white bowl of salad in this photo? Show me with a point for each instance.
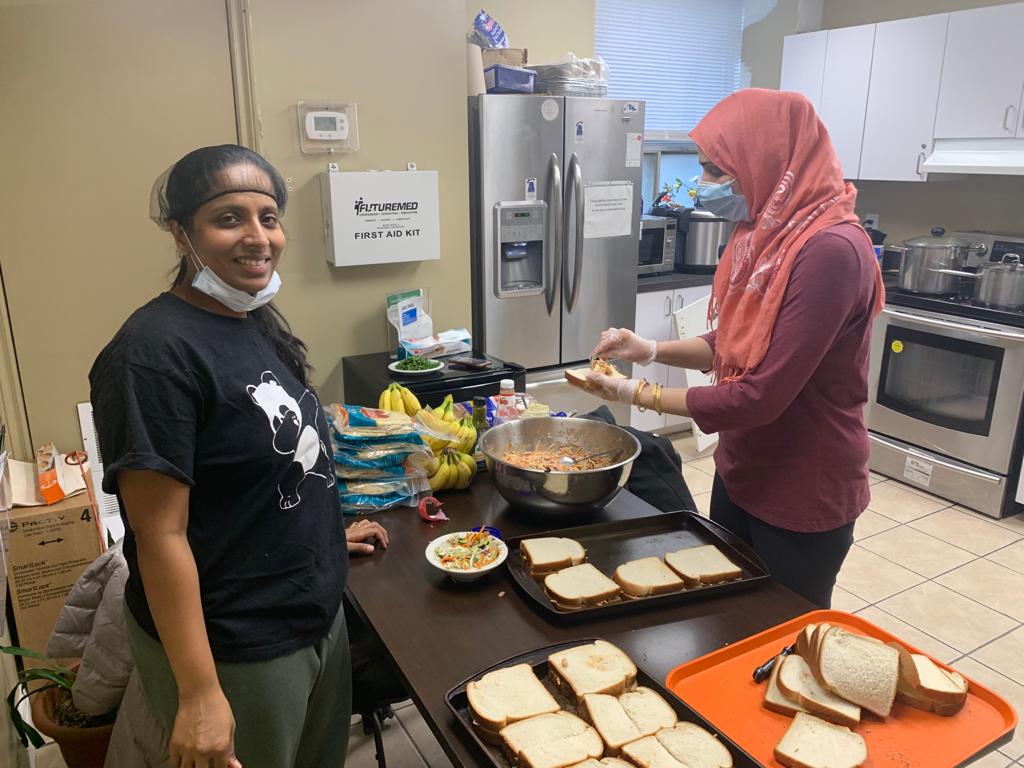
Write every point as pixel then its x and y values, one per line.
pixel 466 555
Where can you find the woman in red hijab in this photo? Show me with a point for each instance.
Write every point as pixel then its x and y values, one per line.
pixel 794 297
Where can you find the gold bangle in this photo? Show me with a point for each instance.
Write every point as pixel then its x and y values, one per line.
pixel 658 389
pixel 640 386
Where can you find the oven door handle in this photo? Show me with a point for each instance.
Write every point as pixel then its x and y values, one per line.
pixel 936 323
pixel 932 459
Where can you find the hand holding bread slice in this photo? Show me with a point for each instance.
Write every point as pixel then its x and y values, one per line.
pixel 578 376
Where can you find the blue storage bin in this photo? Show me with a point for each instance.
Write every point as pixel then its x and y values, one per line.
pixel 501 78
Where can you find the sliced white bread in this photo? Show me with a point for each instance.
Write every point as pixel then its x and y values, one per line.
pixel 551 553
pixel 694 747
pixel 924 675
pixel 803 641
pixel 814 646
pixel 589 763
pixel 702 565
pixel 579 375
pixel 860 669
pixel 649 753
pixel 648 710
pixel 506 695
pixel 774 699
pixel 611 721
pixel 579 586
pixel 554 740
pixel 913 697
pixel 597 667
pixel 614 762
pixel 798 684
pixel 647 576
pixel 811 742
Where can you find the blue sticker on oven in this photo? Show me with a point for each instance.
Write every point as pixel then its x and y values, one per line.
pixel 579 130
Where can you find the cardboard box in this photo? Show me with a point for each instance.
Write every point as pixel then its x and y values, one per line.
pixel 48 549
pixel 512 57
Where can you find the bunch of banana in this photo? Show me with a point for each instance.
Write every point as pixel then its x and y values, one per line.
pixel 466 440
pixel 455 470
pixel 399 399
pixel 444 433
pixel 444 410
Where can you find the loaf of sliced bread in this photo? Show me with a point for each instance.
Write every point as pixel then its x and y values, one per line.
pixel 551 553
pixel 798 684
pixel 811 742
pixel 649 753
pixel 647 576
pixel 579 586
pixel 924 675
pixel 597 667
pixel 702 565
pixel 803 641
pixel 648 710
pixel 814 647
pixel 556 740
pixel 506 695
pixel 610 719
pixel 774 699
pixel 694 747
pixel 860 669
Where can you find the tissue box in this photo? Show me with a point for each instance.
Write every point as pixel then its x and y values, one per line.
pixel 453 342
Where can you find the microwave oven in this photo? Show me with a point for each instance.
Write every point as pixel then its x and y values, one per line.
pixel 657 245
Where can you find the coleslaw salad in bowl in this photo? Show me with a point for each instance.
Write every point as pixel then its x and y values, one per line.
pixel 466 555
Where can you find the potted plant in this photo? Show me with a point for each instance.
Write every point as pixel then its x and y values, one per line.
pixel 669 190
pixel 82 738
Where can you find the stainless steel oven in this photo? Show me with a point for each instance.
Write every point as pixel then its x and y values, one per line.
pixel 657 245
pixel 945 403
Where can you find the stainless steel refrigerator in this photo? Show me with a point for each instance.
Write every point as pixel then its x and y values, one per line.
pixel 555 217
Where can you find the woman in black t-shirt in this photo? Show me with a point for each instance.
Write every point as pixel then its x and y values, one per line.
pixel 218 451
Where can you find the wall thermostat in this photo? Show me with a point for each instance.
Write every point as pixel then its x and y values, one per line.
pixel 327 127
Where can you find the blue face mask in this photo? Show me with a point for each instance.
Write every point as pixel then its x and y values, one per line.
pixel 722 201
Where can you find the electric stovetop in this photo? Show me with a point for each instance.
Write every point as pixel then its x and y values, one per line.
pixel 957 306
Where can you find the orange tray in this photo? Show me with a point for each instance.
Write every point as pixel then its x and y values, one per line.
pixel 720 687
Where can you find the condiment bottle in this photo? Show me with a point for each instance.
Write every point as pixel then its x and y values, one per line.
pixel 506 402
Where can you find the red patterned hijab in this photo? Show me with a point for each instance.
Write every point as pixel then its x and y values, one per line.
pixel 781 156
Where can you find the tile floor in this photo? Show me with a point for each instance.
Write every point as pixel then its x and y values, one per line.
pixel 946 579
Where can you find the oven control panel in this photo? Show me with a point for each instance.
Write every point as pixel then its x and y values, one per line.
pixel 996 246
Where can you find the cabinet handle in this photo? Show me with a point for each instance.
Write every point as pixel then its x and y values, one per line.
pixel 668 306
pixel 679 302
pixel 1009 125
pixel 920 159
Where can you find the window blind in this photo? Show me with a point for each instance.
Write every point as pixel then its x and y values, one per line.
pixel 680 56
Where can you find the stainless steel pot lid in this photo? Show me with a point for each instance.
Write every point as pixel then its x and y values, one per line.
pixel 937 239
pixel 1010 263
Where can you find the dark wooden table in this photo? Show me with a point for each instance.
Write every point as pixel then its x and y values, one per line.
pixel 440 632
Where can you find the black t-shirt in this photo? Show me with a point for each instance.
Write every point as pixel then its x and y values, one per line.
pixel 205 399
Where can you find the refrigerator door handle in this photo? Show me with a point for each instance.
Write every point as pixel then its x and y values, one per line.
pixel 556 241
pixel 574 185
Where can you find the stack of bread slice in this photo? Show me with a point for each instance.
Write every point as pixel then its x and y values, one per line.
pixel 608 721
pixel 833 676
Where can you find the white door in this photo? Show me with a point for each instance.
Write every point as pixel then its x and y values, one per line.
pixel 803 65
pixel 653 311
pixel 690 321
pixel 902 97
pixel 982 74
pixel 844 92
pixel 677 377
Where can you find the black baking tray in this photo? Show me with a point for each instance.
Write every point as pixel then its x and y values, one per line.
pixel 609 545
pixel 458 703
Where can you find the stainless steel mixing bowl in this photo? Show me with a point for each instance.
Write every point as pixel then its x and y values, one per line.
pixel 566 493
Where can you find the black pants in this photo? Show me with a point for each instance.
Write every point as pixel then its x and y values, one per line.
pixel 807 563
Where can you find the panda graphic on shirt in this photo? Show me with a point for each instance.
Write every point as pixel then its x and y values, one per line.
pixel 293 425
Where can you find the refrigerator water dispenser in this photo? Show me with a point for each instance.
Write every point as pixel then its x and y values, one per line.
pixel 520 248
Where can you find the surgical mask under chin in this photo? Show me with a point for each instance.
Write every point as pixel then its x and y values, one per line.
pixel 722 201
pixel 208 282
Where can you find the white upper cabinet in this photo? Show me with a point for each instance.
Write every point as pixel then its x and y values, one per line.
pixel 844 92
pixel 903 96
pixel 803 65
pixel 982 74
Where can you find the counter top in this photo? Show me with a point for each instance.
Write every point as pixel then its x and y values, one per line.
pixel 671 281
pixel 439 632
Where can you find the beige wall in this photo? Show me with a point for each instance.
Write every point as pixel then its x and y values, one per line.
pixel 991 203
pixel 548 28
pixel 96 99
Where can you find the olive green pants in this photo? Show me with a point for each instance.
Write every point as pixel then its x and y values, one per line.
pixel 290 712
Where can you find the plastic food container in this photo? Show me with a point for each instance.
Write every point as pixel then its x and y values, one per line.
pixel 501 78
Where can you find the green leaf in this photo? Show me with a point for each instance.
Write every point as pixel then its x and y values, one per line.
pixel 16 651
pixel 41 673
pixel 25 731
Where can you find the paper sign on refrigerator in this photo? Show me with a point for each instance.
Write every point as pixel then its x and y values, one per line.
pixel 608 209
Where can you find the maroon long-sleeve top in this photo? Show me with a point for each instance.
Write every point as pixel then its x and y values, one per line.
pixel 793 444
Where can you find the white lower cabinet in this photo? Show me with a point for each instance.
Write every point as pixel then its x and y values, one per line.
pixel 654 321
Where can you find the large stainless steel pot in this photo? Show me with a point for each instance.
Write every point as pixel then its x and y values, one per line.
pixel 926 263
pixel 706 234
